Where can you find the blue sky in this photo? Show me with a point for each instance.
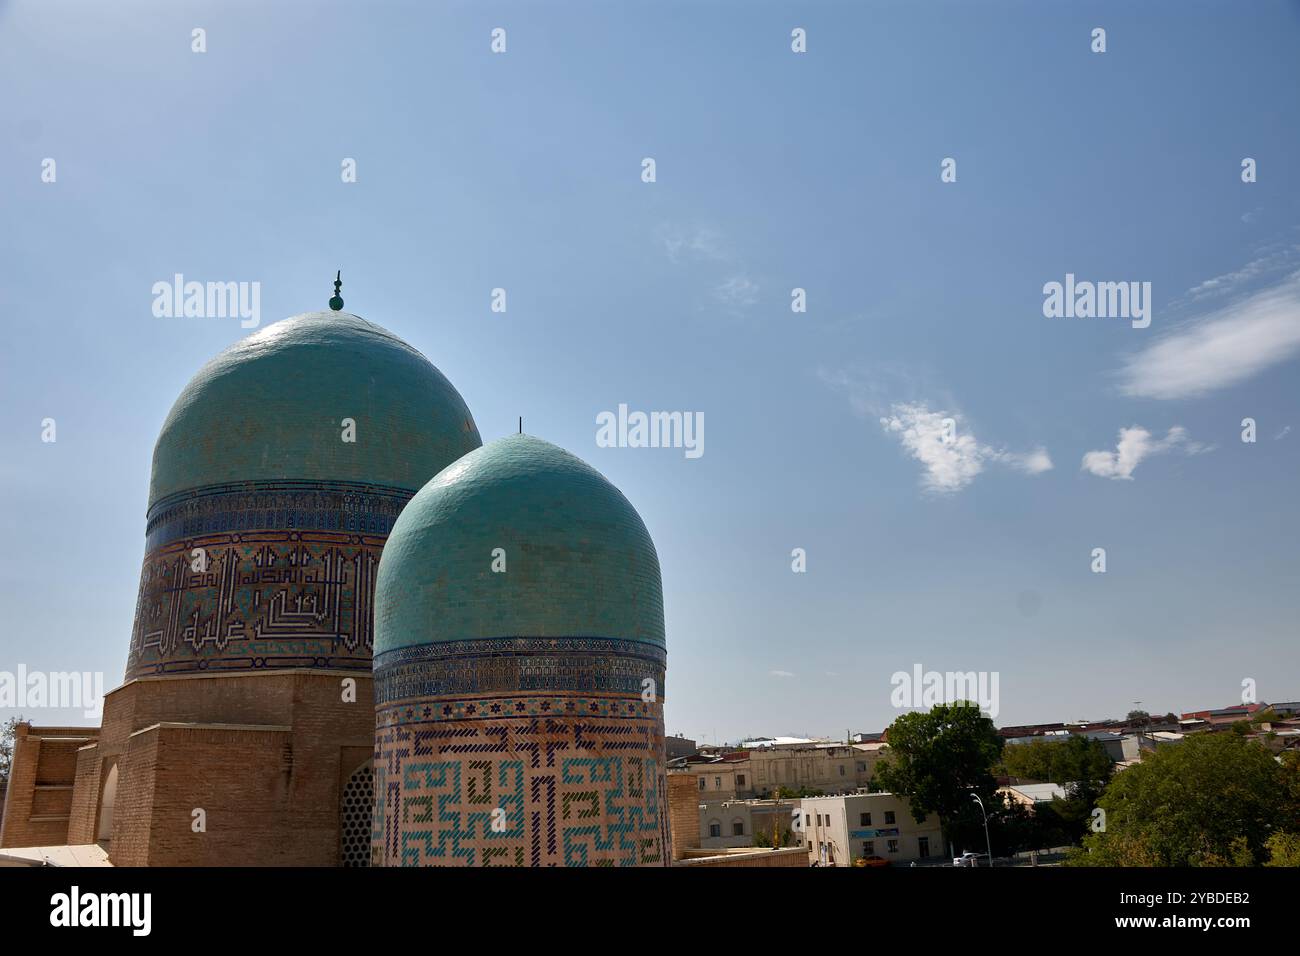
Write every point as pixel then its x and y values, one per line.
pixel 775 170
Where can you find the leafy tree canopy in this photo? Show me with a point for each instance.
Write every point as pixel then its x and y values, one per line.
pixel 936 759
pixel 7 733
pixel 1213 800
pixel 1060 760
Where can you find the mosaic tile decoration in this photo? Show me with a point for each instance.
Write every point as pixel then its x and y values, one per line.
pixel 520 752
pixel 289 578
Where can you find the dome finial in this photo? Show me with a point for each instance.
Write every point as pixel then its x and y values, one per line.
pixel 336 303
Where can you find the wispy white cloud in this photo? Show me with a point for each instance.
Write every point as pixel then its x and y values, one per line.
pixel 1224 348
pixel 1285 430
pixel 692 242
pixel 706 249
pixel 737 292
pixel 781 673
pixel 1031 463
pixel 1274 260
pixel 948 452
pixel 865 392
pixel 1135 445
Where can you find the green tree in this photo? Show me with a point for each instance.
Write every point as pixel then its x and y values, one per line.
pixel 1290 764
pixel 787 793
pixel 1283 849
pixel 937 760
pixel 1213 800
pixel 1080 765
pixel 1066 760
pixel 7 734
pixel 763 838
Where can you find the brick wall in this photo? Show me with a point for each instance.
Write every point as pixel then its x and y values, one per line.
pixel 85 797
pixel 683 813
pixel 272 796
pixel 40 794
pixel 133 813
pixel 241 781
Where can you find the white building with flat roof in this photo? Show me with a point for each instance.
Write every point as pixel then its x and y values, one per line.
pixel 839 830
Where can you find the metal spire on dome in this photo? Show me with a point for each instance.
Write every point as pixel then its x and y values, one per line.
pixel 336 303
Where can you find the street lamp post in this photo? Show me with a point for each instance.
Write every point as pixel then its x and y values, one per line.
pixel 987 842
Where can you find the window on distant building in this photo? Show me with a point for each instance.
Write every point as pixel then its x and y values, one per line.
pixel 865 820
pixel 893 846
pixel 717 783
pixel 701 783
pixel 841 770
pixel 868 847
pixel 889 816
pixel 862 766
pixel 737 828
pixel 807 820
pixel 740 779
pixel 715 829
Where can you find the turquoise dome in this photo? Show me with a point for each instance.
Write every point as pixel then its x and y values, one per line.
pixel 271 408
pixel 579 561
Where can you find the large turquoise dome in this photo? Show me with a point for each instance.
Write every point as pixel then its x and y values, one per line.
pixel 579 561
pixel 271 408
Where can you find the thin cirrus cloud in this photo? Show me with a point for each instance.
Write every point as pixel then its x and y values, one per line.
pixel 1272 259
pixel 738 291
pixel 1135 445
pixel 705 247
pixel 951 456
pixel 692 242
pixel 1229 345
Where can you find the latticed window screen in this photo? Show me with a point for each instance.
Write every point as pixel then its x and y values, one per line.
pixel 357 810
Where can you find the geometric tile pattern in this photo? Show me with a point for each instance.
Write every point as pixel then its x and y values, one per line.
pixel 520 752
pixel 528 791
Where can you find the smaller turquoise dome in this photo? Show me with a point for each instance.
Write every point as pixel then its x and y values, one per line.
pixel 579 561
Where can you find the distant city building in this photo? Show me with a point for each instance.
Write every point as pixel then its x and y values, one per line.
pixel 793 768
pixel 1032 794
pixel 1224 716
pixel 684 827
pixel 780 742
pixel 737 823
pixel 676 747
pixel 839 830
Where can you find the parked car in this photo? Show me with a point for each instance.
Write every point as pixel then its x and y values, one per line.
pixel 871 861
pixel 966 859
